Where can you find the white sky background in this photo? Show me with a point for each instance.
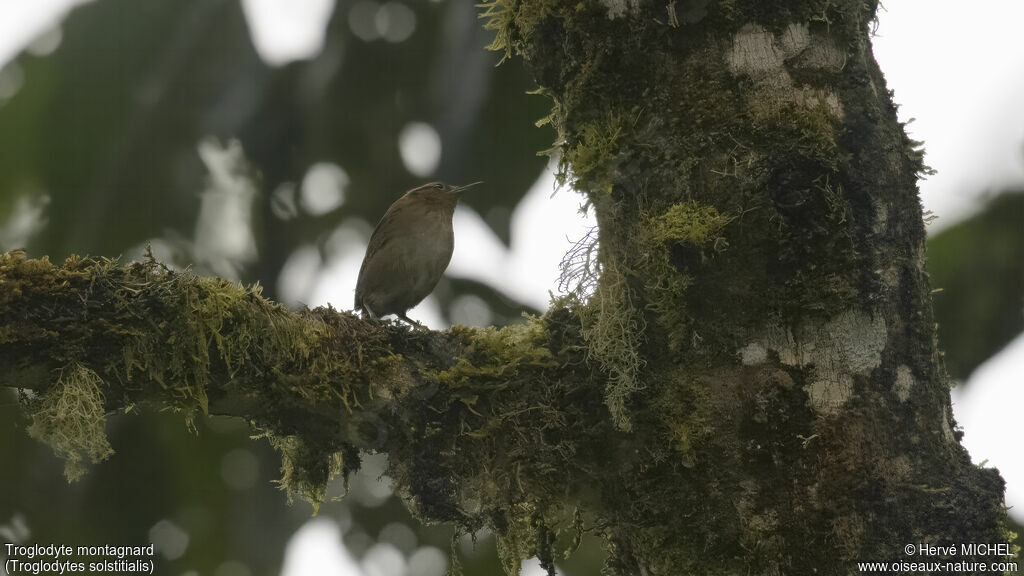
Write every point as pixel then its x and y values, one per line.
pixel 956 69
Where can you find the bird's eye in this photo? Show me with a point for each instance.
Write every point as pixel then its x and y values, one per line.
pixel 438 186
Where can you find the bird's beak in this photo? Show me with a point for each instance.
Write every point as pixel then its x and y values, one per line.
pixel 459 189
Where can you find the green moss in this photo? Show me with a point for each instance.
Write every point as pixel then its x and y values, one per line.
pixel 209 315
pixel 71 418
pixel 141 333
pixel 590 158
pixel 499 15
pixel 688 223
pixel 513 20
pixel 502 352
pixel 687 416
pixel 804 133
pixel 682 237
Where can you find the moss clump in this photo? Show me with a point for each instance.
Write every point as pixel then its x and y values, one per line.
pixel 499 354
pixel 678 241
pixel 590 158
pixel 686 413
pixel 500 17
pixel 71 418
pixel 208 314
pixel 806 132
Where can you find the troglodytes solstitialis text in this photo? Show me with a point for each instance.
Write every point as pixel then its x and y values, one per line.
pixel 408 251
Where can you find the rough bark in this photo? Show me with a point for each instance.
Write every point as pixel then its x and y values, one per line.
pixel 762 308
pixel 750 383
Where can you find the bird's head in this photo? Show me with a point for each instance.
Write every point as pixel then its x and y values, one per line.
pixel 438 193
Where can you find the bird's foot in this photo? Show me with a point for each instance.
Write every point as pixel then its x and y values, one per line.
pixel 367 313
pixel 415 325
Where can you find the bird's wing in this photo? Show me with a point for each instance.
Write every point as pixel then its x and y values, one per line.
pixel 378 240
pixel 383 265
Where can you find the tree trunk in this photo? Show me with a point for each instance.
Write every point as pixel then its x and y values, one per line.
pixel 762 308
pixel 746 382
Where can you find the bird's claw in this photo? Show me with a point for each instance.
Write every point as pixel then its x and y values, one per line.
pixel 414 324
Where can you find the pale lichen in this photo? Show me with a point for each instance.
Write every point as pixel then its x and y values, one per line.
pixel 834 351
pixel 614 330
pixel 71 417
pixel 770 60
pixel 753 354
pixel 904 384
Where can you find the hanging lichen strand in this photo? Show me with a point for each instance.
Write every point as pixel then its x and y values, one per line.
pixel 761 309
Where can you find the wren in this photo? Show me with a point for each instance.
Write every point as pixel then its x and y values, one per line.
pixel 409 250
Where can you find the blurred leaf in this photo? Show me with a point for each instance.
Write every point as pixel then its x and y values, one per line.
pixel 503 310
pixel 108 124
pixel 979 266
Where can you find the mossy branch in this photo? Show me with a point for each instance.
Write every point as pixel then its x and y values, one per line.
pixel 482 426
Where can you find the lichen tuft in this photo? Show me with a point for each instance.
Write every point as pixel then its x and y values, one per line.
pixel 71 418
pixel 305 468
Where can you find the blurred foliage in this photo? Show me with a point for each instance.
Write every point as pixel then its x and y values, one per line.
pixel 160 473
pixel 978 265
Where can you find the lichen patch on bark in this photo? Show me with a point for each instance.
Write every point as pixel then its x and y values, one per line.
pixel 828 394
pixel 857 340
pixel 834 351
pixel 754 51
pixel 619 8
pixel 767 58
pixel 904 382
pixel 753 354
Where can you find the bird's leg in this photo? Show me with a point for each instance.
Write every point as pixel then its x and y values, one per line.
pixel 413 323
pixel 368 312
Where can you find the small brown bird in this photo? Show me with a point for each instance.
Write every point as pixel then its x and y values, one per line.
pixel 408 251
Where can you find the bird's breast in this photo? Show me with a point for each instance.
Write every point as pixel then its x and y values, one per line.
pixel 432 242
